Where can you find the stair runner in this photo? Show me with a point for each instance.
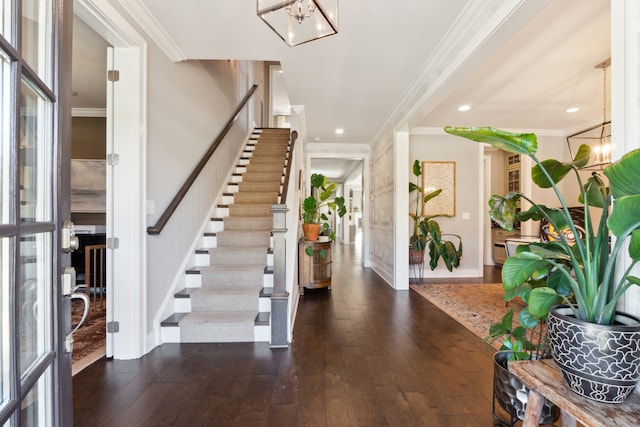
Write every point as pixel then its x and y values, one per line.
pixel 225 291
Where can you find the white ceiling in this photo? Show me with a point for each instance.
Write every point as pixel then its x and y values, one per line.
pixel 538 64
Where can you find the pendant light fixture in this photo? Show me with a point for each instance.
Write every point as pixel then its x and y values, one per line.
pixel 300 21
pixel 598 136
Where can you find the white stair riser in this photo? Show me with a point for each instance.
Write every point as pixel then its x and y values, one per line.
pixel 182 305
pixel 202 260
pixel 221 212
pixel 262 333
pixel 264 305
pixel 210 241
pixel 170 334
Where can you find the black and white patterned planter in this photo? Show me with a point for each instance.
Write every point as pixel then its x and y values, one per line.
pixel 512 394
pixel 600 362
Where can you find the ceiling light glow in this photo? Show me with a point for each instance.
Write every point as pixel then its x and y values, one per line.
pixel 464 108
pixel 573 110
pixel 339 131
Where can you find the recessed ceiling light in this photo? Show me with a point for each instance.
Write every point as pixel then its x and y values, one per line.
pixel 573 110
pixel 464 108
pixel 339 131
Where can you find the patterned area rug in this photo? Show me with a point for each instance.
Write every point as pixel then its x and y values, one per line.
pixel 89 341
pixel 475 306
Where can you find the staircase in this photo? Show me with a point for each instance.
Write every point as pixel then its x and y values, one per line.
pixel 227 294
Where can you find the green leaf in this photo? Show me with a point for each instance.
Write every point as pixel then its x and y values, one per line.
pixel 503 209
pixel 524 143
pixel 596 192
pixel 634 245
pixel 582 156
pixel 516 270
pixel 431 195
pixel 560 282
pixel 318 180
pixel 541 300
pixel 308 250
pixel 624 175
pixel 624 218
pixel 551 250
pixel 526 319
pixel 417 169
pixel 557 170
pixel 309 204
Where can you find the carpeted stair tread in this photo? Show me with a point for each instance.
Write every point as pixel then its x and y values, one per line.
pixel 251 210
pixel 260 186
pixel 230 326
pixel 225 298
pixel 230 268
pixel 231 274
pixel 221 318
pixel 235 255
pixel 268 197
pixel 263 223
pixel 243 238
pixel 225 304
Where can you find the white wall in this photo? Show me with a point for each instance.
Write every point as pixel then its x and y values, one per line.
pixel 468 156
pixel 188 105
pixel 382 210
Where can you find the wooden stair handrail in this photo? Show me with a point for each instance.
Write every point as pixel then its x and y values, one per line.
pixel 168 212
pixel 287 172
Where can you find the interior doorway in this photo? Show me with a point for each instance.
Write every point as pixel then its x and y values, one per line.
pixel 126 316
pixel 89 190
pixel 351 171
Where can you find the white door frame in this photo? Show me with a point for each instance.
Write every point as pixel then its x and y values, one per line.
pixel 126 181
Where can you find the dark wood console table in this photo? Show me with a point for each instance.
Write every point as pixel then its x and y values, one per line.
pixel 314 271
pixel 545 381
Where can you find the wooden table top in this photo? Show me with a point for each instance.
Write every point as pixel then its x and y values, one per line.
pixel 545 377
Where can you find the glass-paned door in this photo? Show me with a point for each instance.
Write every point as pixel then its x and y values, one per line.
pixel 35 388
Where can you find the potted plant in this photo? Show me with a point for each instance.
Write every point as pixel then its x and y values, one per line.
pixel 579 270
pixel 526 341
pixel 320 204
pixel 426 231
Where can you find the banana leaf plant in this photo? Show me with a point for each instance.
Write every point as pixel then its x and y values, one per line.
pixel 426 230
pixel 313 207
pixel 580 271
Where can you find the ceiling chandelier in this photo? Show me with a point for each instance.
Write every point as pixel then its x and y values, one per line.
pixel 300 21
pixel 598 136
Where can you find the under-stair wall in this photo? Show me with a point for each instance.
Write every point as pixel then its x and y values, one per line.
pixel 224 295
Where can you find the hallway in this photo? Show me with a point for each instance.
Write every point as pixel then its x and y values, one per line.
pixel 362 355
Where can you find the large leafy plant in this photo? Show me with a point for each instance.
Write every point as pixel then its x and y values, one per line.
pixel 426 230
pixel 580 272
pixel 313 207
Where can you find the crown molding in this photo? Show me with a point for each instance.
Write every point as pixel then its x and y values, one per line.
pixel 150 25
pixel 473 30
pixel 88 112
pixel 538 132
pixel 328 149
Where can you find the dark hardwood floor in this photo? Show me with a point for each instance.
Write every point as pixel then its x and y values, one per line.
pixel 362 355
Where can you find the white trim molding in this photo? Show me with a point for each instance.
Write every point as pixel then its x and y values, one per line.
pixel 89 112
pixel 156 32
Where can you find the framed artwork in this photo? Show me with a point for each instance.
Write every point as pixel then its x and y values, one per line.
pixel 88 186
pixel 442 175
